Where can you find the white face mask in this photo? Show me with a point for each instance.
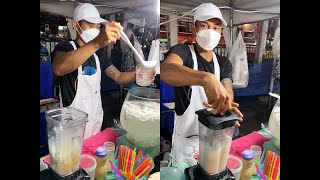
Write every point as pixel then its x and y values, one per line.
pixel 89 34
pixel 208 39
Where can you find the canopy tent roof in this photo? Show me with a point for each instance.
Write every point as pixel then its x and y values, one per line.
pixel 243 11
pixel 66 7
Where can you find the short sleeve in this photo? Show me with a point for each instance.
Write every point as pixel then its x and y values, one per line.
pixel 226 69
pixel 183 51
pixel 64 46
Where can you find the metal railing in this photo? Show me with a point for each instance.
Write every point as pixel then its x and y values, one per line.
pixel 251 53
pixel 50 43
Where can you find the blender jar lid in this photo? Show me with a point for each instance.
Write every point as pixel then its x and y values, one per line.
pixel 101 151
pixel 217 121
pixel 247 154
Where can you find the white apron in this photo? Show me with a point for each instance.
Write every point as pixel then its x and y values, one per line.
pixel 185 138
pixel 88 98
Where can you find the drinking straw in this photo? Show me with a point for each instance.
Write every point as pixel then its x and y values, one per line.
pixel 278 175
pixel 138 156
pixel 140 167
pixel 129 160
pixel 143 159
pixel 259 172
pixel 115 169
pixel 276 168
pixel 126 159
pixel 120 157
pixel 133 161
pixel 140 174
pixel 147 172
pixel 123 154
pixel 273 166
pixel 124 174
pixel 142 164
pixel 267 162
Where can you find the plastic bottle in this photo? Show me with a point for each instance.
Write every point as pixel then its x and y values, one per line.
pixel 247 164
pixel 102 166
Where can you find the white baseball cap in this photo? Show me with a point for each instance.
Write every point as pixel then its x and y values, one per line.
pixel 207 11
pixel 87 12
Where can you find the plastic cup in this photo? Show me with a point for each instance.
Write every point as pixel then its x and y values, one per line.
pixel 111 147
pixel 144 77
pixel 89 164
pixel 235 165
pixel 257 152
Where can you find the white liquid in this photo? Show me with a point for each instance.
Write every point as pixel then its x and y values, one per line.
pixel 65 151
pixel 213 159
pixel 141 120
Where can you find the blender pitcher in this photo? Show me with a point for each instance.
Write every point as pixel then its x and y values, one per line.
pixel 215 137
pixel 65 131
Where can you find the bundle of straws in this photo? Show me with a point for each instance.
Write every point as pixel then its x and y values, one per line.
pixel 272 166
pixel 129 166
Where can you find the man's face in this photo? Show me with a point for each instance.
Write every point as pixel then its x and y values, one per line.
pixel 212 23
pixel 86 25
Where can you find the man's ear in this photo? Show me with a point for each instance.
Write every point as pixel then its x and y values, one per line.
pixel 75 26
pixel 193 29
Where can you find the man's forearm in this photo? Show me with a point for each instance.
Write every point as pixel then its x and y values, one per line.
pixel 120 77
pixel 179 75
pixel 227 83
pixel 126 78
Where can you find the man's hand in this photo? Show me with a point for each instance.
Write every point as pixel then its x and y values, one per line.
pixel 217 95
pixel 234 109
pixel 109 33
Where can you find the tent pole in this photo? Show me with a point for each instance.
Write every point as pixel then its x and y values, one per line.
pixel 231 27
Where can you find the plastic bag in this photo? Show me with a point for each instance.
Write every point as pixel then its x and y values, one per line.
pixel 274 123
pixel 276 53
pixel 238 59
pixel 154 54
pixel 276 68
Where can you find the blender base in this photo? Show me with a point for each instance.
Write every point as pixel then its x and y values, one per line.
pixel 197 173
pixel 49 174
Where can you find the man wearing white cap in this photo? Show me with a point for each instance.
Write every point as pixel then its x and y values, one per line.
pixel 77 65
pixel 200 79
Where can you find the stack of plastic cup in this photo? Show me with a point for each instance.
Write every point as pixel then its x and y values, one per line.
pixel 89 164
pixel 111 147
pixel 257 154
pixel 235 165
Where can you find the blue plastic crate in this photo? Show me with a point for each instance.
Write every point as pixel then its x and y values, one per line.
pixel 166 93
pixel 167 124
pixel 46 80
